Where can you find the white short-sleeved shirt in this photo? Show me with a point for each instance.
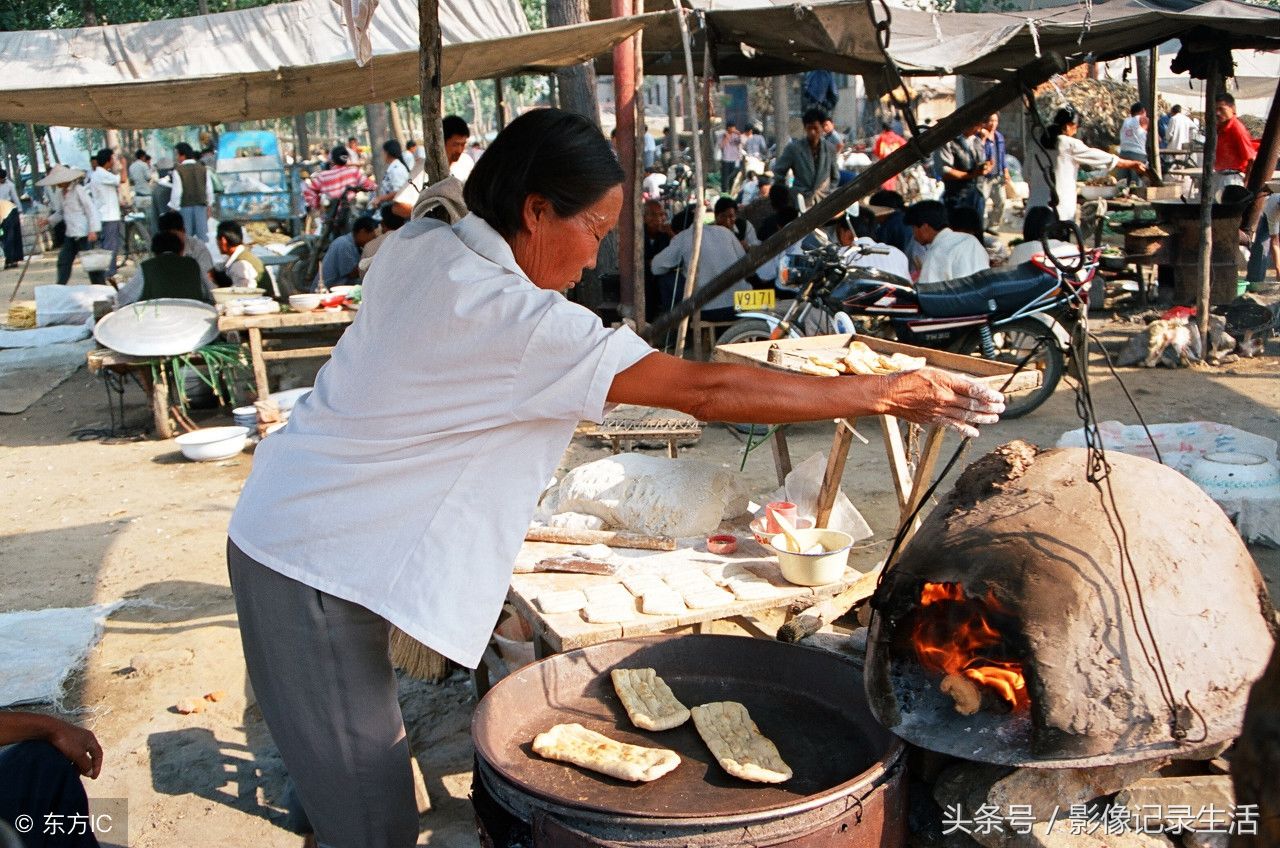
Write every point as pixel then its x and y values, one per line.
pixel 1271 211
pixel 404 482
pixel 953 255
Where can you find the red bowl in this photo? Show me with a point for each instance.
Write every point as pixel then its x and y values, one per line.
pixel 722 544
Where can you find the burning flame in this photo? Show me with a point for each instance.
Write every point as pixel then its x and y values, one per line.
pixel 955 637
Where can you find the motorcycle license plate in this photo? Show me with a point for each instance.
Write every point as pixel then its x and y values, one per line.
pixel 753 300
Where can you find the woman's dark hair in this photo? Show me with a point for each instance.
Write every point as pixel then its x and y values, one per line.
pixel 4 175
pixel 813 116
pixel 1038 220
pixel 166 242
pixel 1065 115
pixel 392 148
pixel 340 155
pixel 556 154
pixel 780 198
pixel 390 220
pixel 888 199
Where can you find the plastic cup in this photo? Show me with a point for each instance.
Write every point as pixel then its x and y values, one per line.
pixel 784 508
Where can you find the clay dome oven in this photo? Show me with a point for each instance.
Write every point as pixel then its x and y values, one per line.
pixel 1011 631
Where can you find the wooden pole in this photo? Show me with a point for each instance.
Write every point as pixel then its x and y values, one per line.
pixel 301 143
pixel 437 164
pixel 639 306
pixel 1263 167
pixel 1211 84
pixel 781 113
pixel 397 126
pixel 34 152
pixel 700 178
pixel 624 100
pixel 673 135
pixel 895 163
pixel 1153 134
pixel 375 115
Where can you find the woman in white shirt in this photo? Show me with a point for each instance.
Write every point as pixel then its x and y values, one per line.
pixel 443 411
pixel 1055 160
pixel 72 206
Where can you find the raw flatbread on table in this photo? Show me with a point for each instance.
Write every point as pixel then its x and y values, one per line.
pixel 610 612
pixel 648 699
pixel 754 589
pixel 707 598
pixel 609 593
pixel 638 584
pixel 573 743
pixel 662 601
pixel 737 744
pixel 570 600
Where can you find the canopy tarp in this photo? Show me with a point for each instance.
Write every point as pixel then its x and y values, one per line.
pixel 761 37
pixel 267 62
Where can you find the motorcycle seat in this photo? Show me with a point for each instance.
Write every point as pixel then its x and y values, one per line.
pixel 997 290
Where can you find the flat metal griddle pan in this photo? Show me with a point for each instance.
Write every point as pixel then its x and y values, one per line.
pixel 809 702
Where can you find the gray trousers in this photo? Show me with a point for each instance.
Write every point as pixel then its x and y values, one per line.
pixel 112 239
pixel 321 671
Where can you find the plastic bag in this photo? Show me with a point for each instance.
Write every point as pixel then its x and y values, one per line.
pixel 801 488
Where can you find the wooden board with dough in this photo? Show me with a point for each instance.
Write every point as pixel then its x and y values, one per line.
pixel 569 629
pixel 796 354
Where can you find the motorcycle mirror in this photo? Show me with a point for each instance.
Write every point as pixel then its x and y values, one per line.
pixel 822 237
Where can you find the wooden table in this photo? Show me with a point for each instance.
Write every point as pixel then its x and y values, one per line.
pixel 155 380
pixel 557 632
pixel 259 354
pixel 909 483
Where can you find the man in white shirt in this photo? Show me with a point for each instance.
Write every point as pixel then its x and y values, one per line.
pixel 1181 132
pixel 396 176
pixel 720 249
pixel 653 183
pixel 949 255
pixel 141 177
pixel 354 157
pixel 860 232
pixel 104 185
pixel 456 133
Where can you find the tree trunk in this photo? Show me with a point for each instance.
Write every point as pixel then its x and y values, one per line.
pixel 376 116
pixel 500 104
pixel 53 149
pixel 89 8
pixel 203 6
pixel 301 144
pixel 437 165
pixel 576 84
pixel 11 151
pixel 781 113
pixel 34 153
pixel 479 120
pixel 397 127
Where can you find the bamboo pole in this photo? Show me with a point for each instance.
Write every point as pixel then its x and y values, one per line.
pixel 1153 134
pixel 673 135
pixel 638 300
pixel 895 163
pixel 700 178
pixel 1212 82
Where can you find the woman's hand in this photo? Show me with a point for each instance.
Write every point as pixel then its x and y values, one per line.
pixel 930 396
pixel 79 746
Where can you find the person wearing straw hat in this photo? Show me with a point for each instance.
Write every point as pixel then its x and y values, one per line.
pixel 75 209
pixel 10 220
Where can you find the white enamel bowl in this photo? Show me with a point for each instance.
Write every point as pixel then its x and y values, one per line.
pixel 212 443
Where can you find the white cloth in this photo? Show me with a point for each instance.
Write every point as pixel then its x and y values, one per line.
pixel 76 209
pixel 653 184
pixel 434 427
pixel 1180 132
pixel 40 648
pixel 720 249
pixel 952 255
pixel 9 193
pixel 462 168
pixel 1072 155
pixel 895 262
pixel 395 178
pixel 242 274
pixel 1133 137
pixel 406 156
pixel 106 193
pixel 175 182
pixel 1028 250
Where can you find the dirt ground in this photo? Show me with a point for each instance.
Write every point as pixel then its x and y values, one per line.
pixel 95 521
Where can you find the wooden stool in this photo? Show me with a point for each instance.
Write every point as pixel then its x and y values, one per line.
pixel 710 328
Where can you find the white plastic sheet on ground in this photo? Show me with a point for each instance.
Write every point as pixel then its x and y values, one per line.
pixel 40 648
pixel 1181 444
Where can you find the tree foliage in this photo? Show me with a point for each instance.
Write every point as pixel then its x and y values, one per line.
pixel 41 14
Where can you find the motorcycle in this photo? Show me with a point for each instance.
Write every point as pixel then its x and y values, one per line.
pixel 1003 314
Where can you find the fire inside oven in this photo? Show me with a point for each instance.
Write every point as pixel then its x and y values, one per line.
pixel 967 646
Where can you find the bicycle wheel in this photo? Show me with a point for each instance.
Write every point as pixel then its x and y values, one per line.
pixel 1014 342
